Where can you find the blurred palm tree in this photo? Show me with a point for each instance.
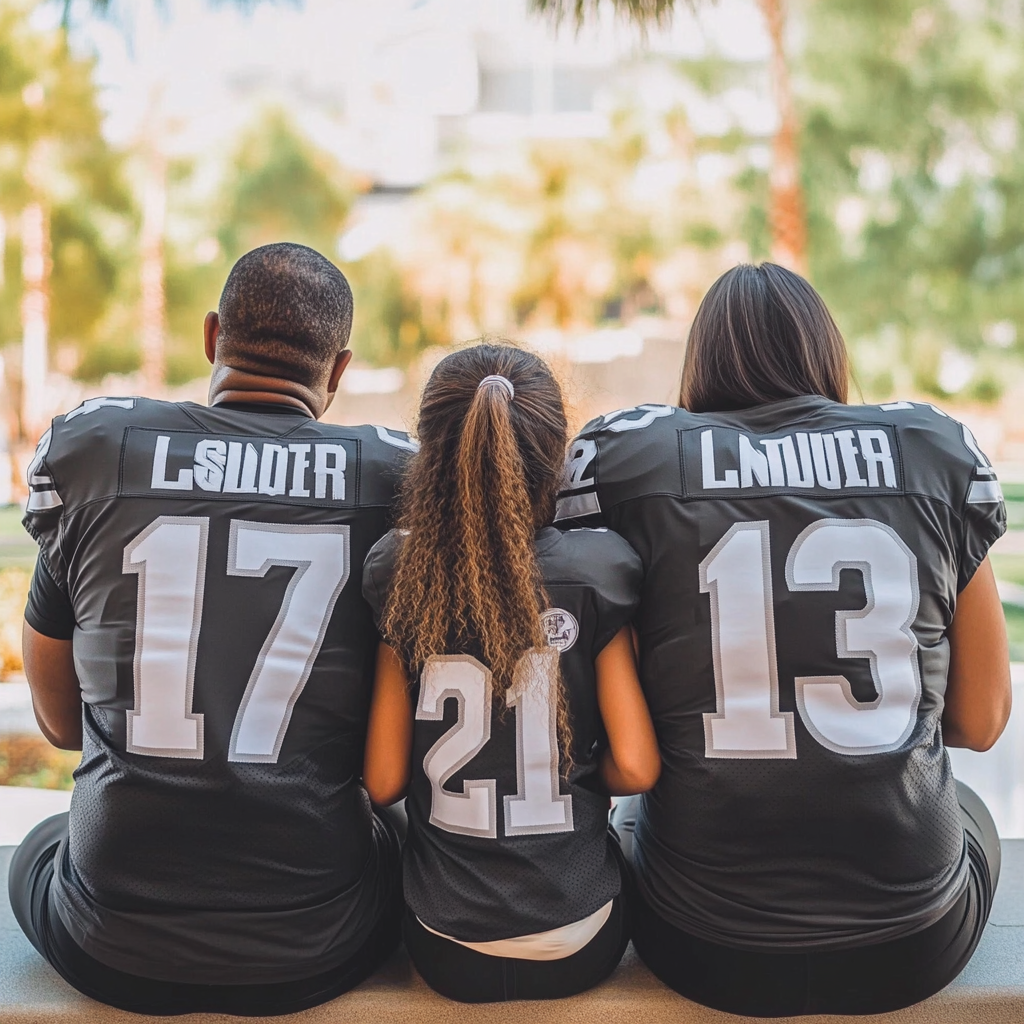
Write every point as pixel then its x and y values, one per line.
pixel 60 184
pixel 787 213
pixel 152 143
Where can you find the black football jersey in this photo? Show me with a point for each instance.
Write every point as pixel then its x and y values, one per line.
pixel 802 563
pixel 500 843
pixel 212 556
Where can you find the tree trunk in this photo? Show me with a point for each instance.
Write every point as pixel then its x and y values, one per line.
pixel 35 268
pixel 786 213
pixel 6 462
pixel 154 212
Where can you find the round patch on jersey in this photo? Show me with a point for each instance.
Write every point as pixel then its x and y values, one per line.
pixel 561 627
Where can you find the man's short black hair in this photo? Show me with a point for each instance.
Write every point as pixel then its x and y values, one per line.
pixel 286 311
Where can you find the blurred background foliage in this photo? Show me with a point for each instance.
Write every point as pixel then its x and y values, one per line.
pixel 911 157
pixel 51 143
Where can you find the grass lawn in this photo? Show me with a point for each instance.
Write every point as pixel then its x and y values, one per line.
pixel 1015 631
pixel 1009 568
pixel 17 548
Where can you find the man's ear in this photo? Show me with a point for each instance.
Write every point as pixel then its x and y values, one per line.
pixel 211 329
pixel 344 357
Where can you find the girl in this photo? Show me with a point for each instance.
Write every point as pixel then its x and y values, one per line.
pixel 506 698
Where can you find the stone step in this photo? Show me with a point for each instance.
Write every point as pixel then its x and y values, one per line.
pixel 990 990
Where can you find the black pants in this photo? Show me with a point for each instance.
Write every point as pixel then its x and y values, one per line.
pixel 31 873
pixel 473 977
pixel 864 980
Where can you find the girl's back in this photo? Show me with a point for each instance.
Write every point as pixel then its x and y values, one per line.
pixel 500 843
pixel 526 710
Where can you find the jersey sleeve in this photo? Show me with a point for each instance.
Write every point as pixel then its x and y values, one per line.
pixel 578 502
pixel 74 464
pixel 616 457
pixel 44 511
pixel 377 572
pixel 48 609
pixel 617 594
pixel 983 519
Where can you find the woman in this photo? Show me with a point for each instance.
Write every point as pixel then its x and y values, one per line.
pixel 525 710
pixel 819 619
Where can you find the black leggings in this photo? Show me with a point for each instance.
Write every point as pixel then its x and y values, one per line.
pixel 470 976
pixel 864 980
pixel 31 873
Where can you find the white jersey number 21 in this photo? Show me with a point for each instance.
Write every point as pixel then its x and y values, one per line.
pixel 537 807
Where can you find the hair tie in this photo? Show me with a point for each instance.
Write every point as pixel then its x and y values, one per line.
pixel 496 378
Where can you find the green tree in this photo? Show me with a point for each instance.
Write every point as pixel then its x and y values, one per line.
pixel 391 327
pixel 281 186
pixel 913 152
pixel 277 185
pixel 56 160
pixel 152 312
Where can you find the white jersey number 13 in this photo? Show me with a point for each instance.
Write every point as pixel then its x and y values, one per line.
pixel 737 574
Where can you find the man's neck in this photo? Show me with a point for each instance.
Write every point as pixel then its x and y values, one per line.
pixel 229 384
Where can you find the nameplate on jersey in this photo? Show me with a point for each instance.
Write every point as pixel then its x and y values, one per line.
pixel 191 465
pixel 726 462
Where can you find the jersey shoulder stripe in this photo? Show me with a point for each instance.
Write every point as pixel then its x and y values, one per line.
pixel 136 447
pixel 626 443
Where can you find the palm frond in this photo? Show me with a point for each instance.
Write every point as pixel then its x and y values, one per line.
pixel 643 13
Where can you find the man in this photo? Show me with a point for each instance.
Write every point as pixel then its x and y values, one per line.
pixel 195 625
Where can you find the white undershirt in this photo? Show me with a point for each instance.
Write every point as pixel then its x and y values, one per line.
pixel 551 945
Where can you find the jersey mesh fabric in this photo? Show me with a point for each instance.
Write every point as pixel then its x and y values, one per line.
pixel 480 889
pixel 173 859
pixel 820 844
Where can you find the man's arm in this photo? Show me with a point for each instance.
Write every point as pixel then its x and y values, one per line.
pixel 46 643
pixel 56 695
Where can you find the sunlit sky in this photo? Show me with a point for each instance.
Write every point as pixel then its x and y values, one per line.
pixel 364 79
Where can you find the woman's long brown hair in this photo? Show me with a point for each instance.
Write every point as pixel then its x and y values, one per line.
pixel 762 334
pixel 483 482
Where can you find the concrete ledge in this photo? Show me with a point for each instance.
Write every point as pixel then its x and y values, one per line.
pixel 23 807
pixel 991 990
